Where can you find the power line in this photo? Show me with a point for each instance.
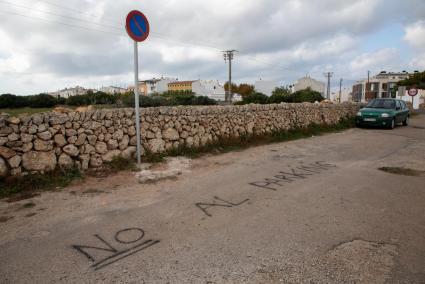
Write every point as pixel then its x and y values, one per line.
pixel 159 35
pixel 56 14
pixel 60 23
pixel 154 34
pixel 75 10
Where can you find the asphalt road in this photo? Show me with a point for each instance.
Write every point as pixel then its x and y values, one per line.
pixel 316 210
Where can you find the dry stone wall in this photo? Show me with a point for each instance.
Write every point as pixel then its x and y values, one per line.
pixel 44 141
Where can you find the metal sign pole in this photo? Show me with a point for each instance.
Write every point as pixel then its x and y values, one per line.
pixel 137 27
pixel 136 101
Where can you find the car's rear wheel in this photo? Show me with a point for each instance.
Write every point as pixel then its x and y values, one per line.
pixel 406 121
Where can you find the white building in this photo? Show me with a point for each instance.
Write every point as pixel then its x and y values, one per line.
pixel 152 86
pixel 266 87
pixel 113 90
pixel 208 88
pixel 345 95
pixel 378 86
pixel 69 92
pixel 308 82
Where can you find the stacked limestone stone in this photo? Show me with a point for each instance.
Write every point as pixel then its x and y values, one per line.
pixel 42 142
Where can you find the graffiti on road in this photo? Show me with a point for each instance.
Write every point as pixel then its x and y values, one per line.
pixel 223 203
pixel 295 173
pixel 104 253
pixel 131 237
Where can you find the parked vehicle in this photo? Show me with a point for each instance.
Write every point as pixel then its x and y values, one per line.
pixel 383 113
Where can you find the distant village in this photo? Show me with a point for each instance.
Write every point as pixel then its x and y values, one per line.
pixel 380 85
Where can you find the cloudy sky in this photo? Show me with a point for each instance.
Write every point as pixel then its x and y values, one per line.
pixel 47 45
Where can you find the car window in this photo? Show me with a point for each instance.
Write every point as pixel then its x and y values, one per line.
pixel 398 105
pixel 403 103
pixel 387 104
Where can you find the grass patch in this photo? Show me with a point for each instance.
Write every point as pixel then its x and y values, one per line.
pixel 28 205
pixel 401 171
pixel 30 110
pixel 150 157
pixel 236 144
pixel 27 110
pixel 36 182
pixel 108 168
pixel 121 164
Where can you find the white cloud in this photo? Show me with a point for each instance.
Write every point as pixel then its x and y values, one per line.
pixel 415 35
pixel 383 59
pixel 12 59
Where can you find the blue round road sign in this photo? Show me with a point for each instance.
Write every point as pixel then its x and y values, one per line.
pixel 137 26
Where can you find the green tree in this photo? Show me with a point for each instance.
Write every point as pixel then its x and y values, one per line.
pixel 306 95
pixel 182 99
pixel 283 91
pixel 416 80
pixel 42 100
pixel 235 88
pixel 245 89
pixel 91 98
pixel 13 101
pixel 279 95
pixel 255 98
pixel 203 100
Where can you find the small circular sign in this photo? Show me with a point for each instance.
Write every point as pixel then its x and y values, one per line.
pixel 413 92
pixel 137 26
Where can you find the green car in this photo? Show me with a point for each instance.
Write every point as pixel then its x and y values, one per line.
pixel 383 113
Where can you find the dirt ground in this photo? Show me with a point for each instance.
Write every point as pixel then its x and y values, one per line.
pixel 316 210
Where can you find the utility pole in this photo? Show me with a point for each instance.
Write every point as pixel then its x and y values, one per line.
pixel 328 90
pixel 367 87
pixel 340 89
pixel 228 56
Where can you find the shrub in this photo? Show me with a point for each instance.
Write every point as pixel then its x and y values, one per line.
pixel 76 101
pixel 178 98
pixel 279 98
pixel 42 100
pixel 307 95
pixel 98 98
pixel 203 100
pixel 255 98
pixel 127 99
pixel 183 99
pixel 144 101
pixel 35 101
pixel 13 101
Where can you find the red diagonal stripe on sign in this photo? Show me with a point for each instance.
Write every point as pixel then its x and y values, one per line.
pixel 137 25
